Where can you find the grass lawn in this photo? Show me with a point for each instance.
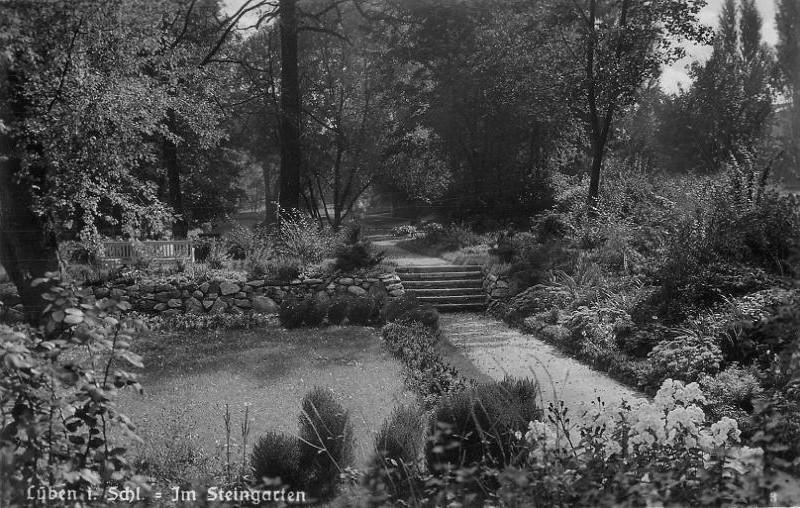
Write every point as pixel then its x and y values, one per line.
pixel 189 377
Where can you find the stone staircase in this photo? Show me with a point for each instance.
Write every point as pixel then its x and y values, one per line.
pixel 449 288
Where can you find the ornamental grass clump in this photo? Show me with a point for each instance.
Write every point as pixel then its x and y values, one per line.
pixel 479 425
pixel 313 460
pixel 394 470
pixel 326 442
pixel 275 461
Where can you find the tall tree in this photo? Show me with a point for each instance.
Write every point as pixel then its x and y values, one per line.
pixel 291 155
pixel 611 48
pixel 725 112
pixel 787 21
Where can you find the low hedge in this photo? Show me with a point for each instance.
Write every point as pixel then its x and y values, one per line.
pixel 426 372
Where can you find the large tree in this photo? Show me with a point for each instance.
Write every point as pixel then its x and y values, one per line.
pixel 725 112
pixel 89 94
pixel 787 21
pixel 466 80
pixel 610 49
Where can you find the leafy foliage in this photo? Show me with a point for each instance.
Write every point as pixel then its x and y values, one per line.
pixel 57 396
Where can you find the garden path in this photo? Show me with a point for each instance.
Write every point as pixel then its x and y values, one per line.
pixel 498 350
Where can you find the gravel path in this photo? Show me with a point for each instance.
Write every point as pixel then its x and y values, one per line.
pixel 499 351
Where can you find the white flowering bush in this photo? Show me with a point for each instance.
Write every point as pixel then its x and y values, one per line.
pixel 659 452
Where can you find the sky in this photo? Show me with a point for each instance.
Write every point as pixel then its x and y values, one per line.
pixel 677 74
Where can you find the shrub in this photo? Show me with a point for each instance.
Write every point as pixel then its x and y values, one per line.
pixel 425 371
pixel 275 461
pixel 338 310
pixel 259 261
pixel 300 237
pixel 777 422
pixel 326 441
pixel 350 257
pixel 659 452
pixel 735 388
pixel 536 262
pixel 479 425
pixel 686 358
pixel 218 255
pixel 406 230
pixel 295 312
pixel 284 270
pixel 638 341
pixel 393 471
pixel 408 308
pixel 58 386
pixel 363 311
pixel 240 241
pixel 400 437
pixel 551 226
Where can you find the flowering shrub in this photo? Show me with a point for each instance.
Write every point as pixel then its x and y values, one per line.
pixel 406 230
pixel 687 357
pixel 660 452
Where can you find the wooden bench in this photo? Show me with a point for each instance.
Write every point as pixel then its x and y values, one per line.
pixel 159 251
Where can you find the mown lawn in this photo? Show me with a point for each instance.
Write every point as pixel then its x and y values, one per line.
pixel 190 376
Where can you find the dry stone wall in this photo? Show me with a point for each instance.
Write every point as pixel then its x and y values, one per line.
pixel 236 297
pixel 496 288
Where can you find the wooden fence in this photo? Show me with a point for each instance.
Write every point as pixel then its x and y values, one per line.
pixel 157 250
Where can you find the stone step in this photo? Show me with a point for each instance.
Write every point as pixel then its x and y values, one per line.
pixel 461 307
pixel 448 291
pixel 439 268
pixel 442 284
pixel 437 300
pixel 440 276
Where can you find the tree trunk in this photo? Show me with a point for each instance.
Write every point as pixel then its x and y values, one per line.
pixel 180 226
pixel 594 172
pixel 269 208
pixel 27 249
pixel 290 109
